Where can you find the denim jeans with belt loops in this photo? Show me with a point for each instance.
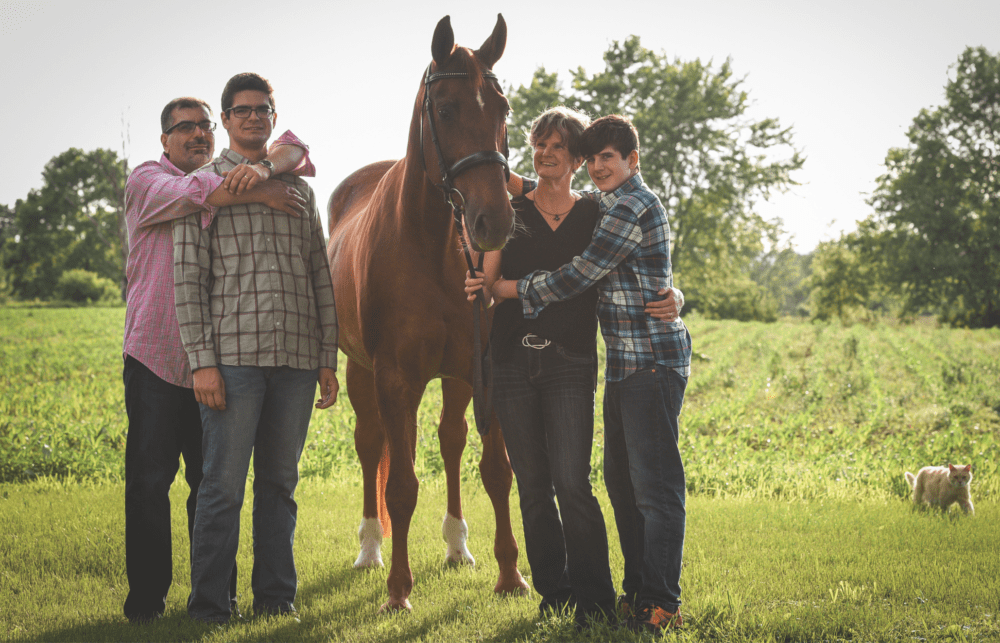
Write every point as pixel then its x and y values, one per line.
pixel 645 480
pixel 545 402
pixel 267 415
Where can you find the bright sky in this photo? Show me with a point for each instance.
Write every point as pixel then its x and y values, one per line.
pixel 847 75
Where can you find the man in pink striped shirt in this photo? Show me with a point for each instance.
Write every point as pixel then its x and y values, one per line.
pixel 164 417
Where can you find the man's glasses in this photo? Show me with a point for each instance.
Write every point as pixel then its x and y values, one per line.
pixel 186 127
pixel 243 111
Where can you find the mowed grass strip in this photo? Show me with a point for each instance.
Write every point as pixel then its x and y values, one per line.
pixel 755 570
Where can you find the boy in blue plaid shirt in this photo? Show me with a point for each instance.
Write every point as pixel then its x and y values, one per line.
pixel 649 361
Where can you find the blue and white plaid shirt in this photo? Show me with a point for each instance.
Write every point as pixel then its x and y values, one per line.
pixel 631 247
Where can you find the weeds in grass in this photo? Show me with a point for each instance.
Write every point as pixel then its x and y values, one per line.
pixel 787 410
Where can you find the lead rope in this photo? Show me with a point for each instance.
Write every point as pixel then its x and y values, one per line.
pixel 482 404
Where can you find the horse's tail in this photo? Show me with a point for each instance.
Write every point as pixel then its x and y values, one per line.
pixel 380 480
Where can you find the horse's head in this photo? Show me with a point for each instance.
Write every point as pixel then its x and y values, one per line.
pixel 464 142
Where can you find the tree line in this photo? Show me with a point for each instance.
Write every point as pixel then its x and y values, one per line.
pixel 930 244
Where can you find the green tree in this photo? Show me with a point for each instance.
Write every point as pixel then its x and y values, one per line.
pixel 937 207
pixel 75 221
pixel 841 282
pixel 783 274
pixel 704 156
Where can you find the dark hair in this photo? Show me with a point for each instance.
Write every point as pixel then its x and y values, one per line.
pixel 243 82
pixel 167 115
pixel 614 130
pixel 568 122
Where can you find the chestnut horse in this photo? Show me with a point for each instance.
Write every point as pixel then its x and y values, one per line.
pixel 398 276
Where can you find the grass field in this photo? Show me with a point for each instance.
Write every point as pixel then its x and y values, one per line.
pixel 795 438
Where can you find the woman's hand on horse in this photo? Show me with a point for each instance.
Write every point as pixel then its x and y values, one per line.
pixel 328 387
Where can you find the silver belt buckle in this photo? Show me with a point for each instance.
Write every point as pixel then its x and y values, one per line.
pixel 528 342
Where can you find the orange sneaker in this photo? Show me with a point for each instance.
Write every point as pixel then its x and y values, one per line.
pixel 654 618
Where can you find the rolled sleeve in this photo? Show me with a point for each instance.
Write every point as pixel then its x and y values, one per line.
pixel 305 166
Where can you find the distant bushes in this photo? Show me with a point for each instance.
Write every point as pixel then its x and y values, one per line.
pixel 85 287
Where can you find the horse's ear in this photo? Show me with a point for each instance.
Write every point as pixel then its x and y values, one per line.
pixel 444 41
pixel 493 48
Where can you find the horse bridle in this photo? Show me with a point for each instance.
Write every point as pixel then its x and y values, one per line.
pixel 481 403
pixel 449 174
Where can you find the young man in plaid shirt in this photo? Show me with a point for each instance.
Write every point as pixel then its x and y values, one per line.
pixel 648 364
pixel 257 316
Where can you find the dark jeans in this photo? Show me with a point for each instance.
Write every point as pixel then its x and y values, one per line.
pixel 164 422
pixel 645 480
pixel 545 402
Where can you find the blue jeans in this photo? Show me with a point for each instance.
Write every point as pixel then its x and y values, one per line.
pixel 645 480
pixel 545 402
pixel 267 415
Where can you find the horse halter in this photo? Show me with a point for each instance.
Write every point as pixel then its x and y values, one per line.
pixel 449 174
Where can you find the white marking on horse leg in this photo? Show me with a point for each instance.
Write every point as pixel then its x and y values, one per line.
pixel 370 537
pixel 456 533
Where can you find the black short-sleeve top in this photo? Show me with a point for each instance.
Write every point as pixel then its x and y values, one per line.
pixel 535 246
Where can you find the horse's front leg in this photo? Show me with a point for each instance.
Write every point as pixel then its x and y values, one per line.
pixel 397 403
pixel 452 434
pixel 370 443
pixel 494 467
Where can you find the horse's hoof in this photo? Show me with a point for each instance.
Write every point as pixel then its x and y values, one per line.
pixel 393 605
pixel 456 533
pixel 362 563
pixel 467 561
pixel 514 586
pixel 370 537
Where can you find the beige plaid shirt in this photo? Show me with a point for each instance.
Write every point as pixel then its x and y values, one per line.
pixel 254 288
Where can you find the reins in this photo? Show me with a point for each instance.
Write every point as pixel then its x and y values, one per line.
pixel 481 396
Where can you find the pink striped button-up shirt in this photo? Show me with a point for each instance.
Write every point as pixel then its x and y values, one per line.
pixel 156 194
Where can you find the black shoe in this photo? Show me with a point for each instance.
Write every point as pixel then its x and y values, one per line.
pixel 594 617
pixel 144 619
pixel 625 607
pixel 286 610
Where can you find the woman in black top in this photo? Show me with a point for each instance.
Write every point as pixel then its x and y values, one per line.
pixel 544 377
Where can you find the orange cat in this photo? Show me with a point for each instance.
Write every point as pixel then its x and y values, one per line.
pixel 941 486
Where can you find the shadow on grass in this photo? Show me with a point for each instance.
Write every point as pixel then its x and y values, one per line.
pixel 173 627
pixel 361 609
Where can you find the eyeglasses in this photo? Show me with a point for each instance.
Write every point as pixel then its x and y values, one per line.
pixel 243 111
pixel 186 127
